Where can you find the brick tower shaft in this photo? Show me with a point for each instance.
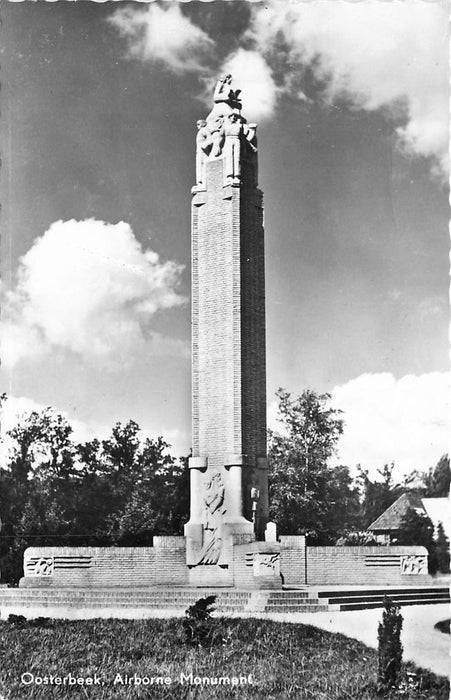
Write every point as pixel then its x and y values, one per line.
pixel 228 465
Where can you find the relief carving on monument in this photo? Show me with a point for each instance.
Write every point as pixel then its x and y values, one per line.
pixel 42 567
pixel 214 509
pixel 414 564
pixel 266 564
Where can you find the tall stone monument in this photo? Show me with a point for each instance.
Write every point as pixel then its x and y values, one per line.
pixel 227 541
pixel 228 468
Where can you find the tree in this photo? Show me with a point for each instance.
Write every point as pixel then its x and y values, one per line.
pixel 377 495
pixel 434 483
pixel 53 492
pixel 155 504
pixel 416 529
pixel 442 550
pixel 304 491
pixel 437 480
pixel 389 646
pixel 36 485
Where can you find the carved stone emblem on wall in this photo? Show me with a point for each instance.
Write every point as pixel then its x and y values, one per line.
pixel 42 567
pixel 266 564
pixel 414 564
pixel 214 510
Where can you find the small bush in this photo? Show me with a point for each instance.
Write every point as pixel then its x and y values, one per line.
pixel 17 621
pixel 390 647
pixel 357 539
pixel 198 622
pixel 443 626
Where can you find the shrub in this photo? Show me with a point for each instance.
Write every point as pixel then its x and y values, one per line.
pixel 198 623
pixel 442 550
pixel 357 539
pixel 390 647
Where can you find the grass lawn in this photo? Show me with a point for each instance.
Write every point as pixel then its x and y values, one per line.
pixel 283 660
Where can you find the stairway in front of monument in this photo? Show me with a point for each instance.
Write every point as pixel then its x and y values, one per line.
pixel 85 603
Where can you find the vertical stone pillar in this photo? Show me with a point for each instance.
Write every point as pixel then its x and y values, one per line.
pixel 228 335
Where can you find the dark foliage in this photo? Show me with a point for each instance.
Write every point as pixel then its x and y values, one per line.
pixel 437 479
pixel 443 626
pixel 377 495
pixel 417 529
pixel 54 492
pixel 389 646
pixel 198 622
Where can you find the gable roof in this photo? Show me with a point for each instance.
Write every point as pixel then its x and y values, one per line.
pixel 392 517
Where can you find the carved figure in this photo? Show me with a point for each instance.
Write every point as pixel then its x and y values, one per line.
pixel 203 147
pixel 266 564
pixel 222 88
pixel 413 564
pixel 213 512
pixel 44 566
pixel 250 132
pixel 216 127
pixel 224 93
pixel 269 561
pixel 213 499
pixel 233 130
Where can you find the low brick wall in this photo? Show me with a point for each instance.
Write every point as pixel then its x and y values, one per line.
pixel 292 560
pixel 164 563
pixel 366 565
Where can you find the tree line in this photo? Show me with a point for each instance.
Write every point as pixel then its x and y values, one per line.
pixel 125 489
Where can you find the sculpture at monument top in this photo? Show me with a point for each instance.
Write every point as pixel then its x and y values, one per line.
pixel 223 134
pixel 224 93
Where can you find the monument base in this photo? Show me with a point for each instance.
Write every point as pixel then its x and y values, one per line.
pixel 246 564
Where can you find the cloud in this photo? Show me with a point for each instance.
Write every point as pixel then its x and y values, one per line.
pixel 163 35
pixel 377 54
pixel 87 287
pixel 405 420
pixel 254 78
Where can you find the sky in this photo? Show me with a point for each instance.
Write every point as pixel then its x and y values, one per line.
pixel 100 102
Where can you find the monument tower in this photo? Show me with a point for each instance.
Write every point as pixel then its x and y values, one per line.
pixel 228 467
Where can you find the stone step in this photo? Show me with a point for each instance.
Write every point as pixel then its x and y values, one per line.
pixel 404 598
pixel 308 607
pixel 109 602
pixel 113 605
pixel 381 591
pixel 380 604
pixel 290 597
pixel 56 595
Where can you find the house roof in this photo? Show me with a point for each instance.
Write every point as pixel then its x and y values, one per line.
pixel 392 517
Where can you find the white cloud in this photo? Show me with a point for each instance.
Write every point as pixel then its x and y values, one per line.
pixel 377 53
pixel 254 78
pixel 87 287
pixel 406 420
pixel 163 34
